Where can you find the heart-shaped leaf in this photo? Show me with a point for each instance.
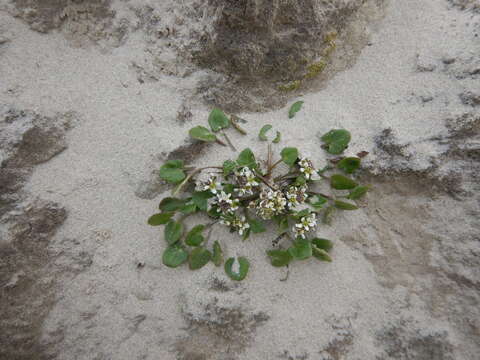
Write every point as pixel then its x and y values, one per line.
pixel 358 192
pixel 200 198
pixel 301 249
pixel 174 256
pixel 279 258
pixel 228 167
pixel 217 254
pixel 324 244
pixel 321 254
pixel 349 164
pixel 218 120
pixel 289 155
pixel 160 219
pixel 173 232
pixel 202 133
pixel 263 132
pixel 336 140
pixel 278 137
pixel 172 171
pixel 170 204
pixel 294 109
pixel 198 258
pixel 340 182
pixel 239 273
pixel 194 237
pixel 344 205
pixel 256 226
pixel 246 158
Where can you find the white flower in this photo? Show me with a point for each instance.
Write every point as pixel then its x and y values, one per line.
pixel 225 203
pixel 246 181
pixel 212 184
pixel 270 203
pixel 308 170
pixel 306 224
pixel 239 224
pixel 296 196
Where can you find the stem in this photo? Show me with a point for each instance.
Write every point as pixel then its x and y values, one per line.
pixel 318 193
pixel 270 168
pixel 286 176
pixel 233 120
pixel 228 141
pixel 269 161
pixel 265 181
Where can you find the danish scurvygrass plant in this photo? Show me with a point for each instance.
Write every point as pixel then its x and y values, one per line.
pixel 244 193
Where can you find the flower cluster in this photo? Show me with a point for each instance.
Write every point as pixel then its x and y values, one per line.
pixel 307 169
pixel 212 184
pixel 225 203
pixel 237 223
pixel 296 196
pixel 246 181
pixel 306 224
pixel 270 203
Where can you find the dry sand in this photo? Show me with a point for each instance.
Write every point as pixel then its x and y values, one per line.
pixel 404 283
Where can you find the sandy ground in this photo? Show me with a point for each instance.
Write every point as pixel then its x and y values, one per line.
pixel 404 283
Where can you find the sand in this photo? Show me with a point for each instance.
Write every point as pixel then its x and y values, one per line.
pixel 404 280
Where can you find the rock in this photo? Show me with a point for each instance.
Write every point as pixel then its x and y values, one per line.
pixel 470 98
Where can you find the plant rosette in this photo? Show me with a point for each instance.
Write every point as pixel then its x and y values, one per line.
pixel 245 193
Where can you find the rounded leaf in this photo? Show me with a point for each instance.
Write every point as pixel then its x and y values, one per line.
pixel 301 249
pixel 246 158
pixel 256 226
pixel 194 237
pixel 228 167
pixel 336 140
pixel 263 132
pixel 240 273
pixel 170 204
pixel 218 120
pixel 174 255
pixel 160 219
pixel 278 137
pixel 198 258
pixel 173 232
pixel 342 205
pixel 200 199
pixel 289 155
pixel 172 171
pixel 296 106
pixel 202 133
pixel 358 192
pixel 279 258
pixel 349 164
pixel 340 182
pixel 321 254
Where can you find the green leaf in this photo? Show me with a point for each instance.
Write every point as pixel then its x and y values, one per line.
pixel 341 182
pixel 299 214
pixel 173 232
pixel 256 226
pixel 218 120
pixel 228 167
pixel 160 219
pixel 344 205
pixel 279 258
pixel 172 171
pixel 282 222
pixel 200 198
pixel 294 109
pixel 336 140
pixel 213 212
pixel 242 269
pixel 202 133
pixel 246 158
pixel 198 258
pixel 289 155
pixel 328 214
pixel 321 254
pixel 301 249
pixel 349 164
pixel 188 208
pixel 278 137
pixel 217 254
pixel 317 202
pixel 358 192
pixel 263 132
pixel 246 234
pixel 324 244
pixel 228 188
pixel 174 256
pixel 194 237
pixel 169 204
